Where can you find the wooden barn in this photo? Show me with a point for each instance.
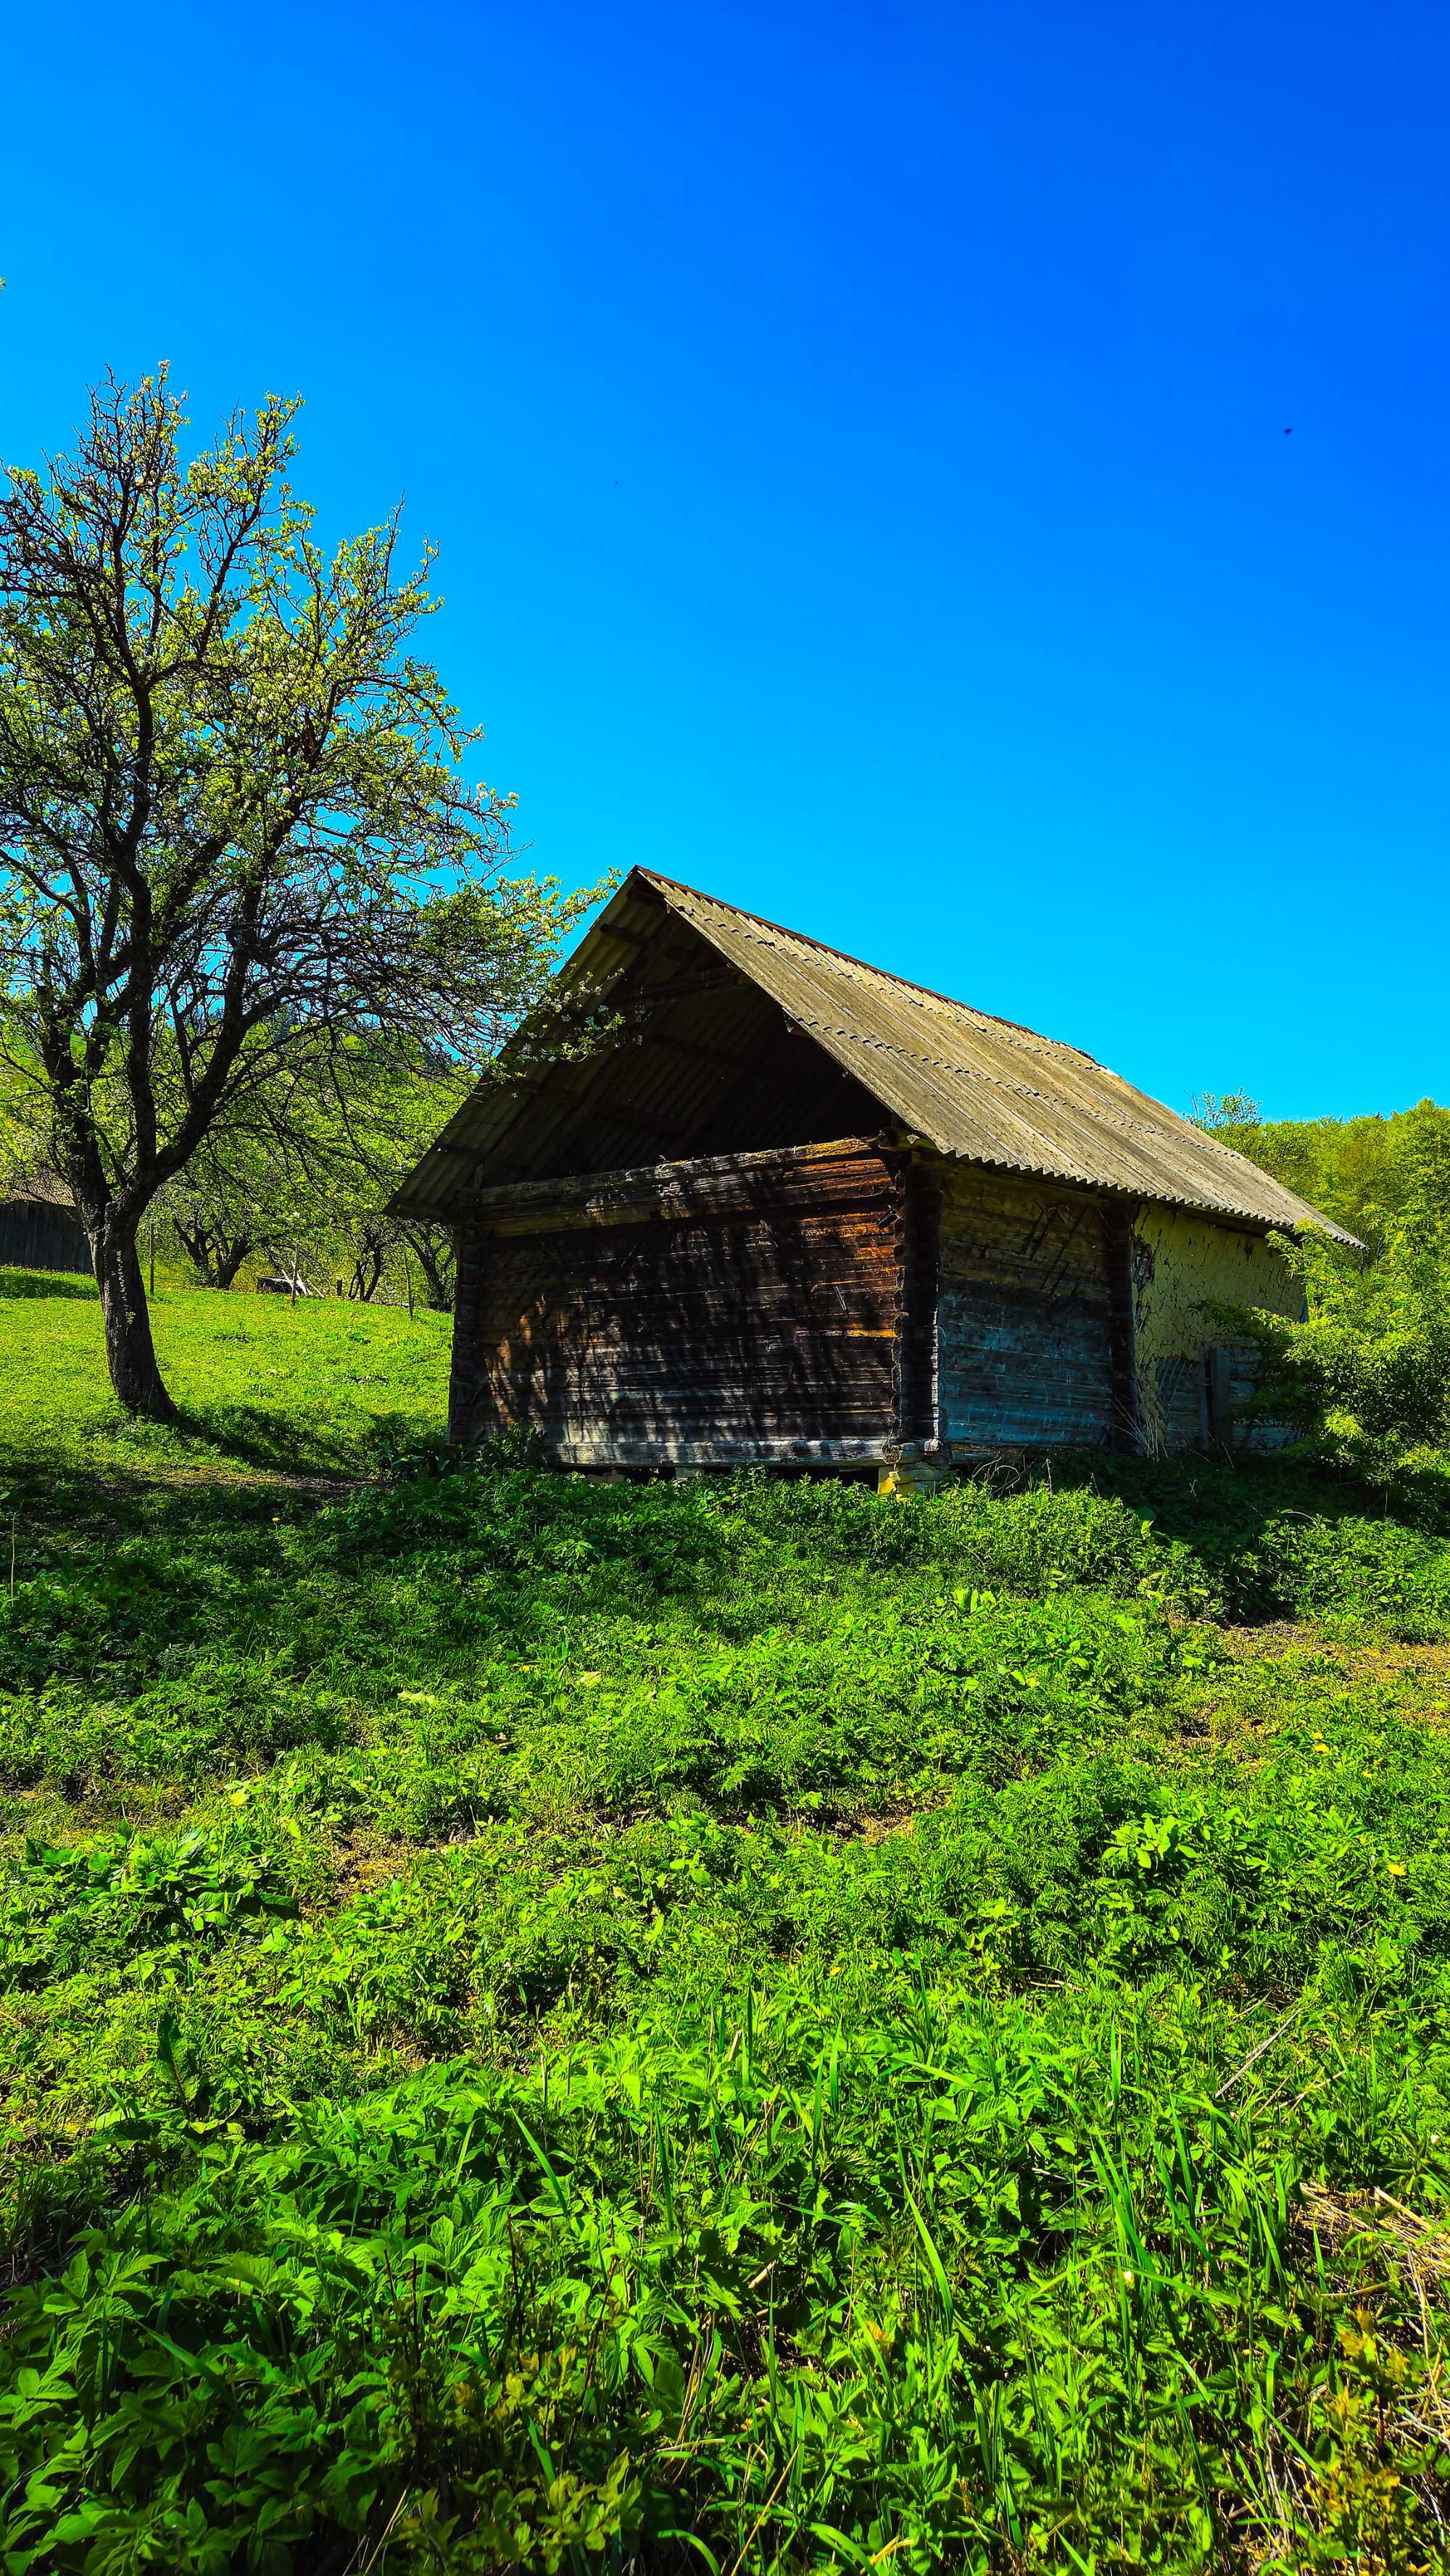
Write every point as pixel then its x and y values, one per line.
pixel 39 1228
pixel 799 1212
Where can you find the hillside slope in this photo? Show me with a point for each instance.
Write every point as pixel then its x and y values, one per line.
pixel 732 2025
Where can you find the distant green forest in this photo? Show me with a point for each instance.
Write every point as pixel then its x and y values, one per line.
pixel 1366 1173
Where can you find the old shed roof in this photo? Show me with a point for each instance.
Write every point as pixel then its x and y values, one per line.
pixel 37 1188
pixel 979 1088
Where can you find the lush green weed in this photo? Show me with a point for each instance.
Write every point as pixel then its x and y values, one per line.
pixel 731 2026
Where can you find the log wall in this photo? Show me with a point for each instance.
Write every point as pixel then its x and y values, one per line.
pixel 838 1304
pixel 744 1308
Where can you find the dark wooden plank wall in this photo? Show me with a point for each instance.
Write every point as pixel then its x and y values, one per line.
pixel 1182 1393
pixel 36 1234
pixel 1030 1348
pixel 747 1308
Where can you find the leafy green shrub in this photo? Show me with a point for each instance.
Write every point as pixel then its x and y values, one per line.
pixel 1037 1539
pixel 128 1894
pixel 1366 1379
pixel 1363 1571
pixel 666 2026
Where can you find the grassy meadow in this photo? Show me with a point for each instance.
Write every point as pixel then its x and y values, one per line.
pixel 731 2026
pixel 323 1387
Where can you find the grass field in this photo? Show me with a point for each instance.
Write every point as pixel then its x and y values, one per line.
pixel 322 1387
pixel 733 2026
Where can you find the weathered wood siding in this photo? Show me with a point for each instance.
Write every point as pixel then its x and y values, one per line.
pixel 741 1308
pixel 39 1234
pixel 1032 1348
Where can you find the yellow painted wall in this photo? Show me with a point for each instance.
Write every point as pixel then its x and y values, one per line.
pixel 1186 1262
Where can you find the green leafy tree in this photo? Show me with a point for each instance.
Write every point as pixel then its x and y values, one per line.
pixel 1218 1112
pixel 301 1177
pixel 234 832
pixel 237 1197
pixel 392 1119
pixel 1365 1173
pixel 1366 1377
pixel 215 1242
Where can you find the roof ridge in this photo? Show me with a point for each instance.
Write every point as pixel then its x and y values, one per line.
pixel 882 974
pixel 959 1078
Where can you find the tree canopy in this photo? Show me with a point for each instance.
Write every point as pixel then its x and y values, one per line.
pixel 1366 1173
pixel 236 838
pixel 1365 1378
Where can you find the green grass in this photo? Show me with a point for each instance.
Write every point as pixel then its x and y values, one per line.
pixel 724 2026
pixel 322 1387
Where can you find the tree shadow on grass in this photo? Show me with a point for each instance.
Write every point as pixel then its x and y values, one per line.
pixel 77 1501
pixel 131 1466
pixel 208 1470
pixel 1278 1538
pixel 48 1283
pixel 1217 1500
pixel 125 1574
pixel 253 1436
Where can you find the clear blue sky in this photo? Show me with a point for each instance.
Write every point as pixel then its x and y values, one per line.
pixel 855 437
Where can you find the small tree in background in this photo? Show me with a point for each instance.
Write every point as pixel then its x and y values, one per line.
pixel 432 1248
pixel 233 832
pixel 1219 1113
pixel 215 1242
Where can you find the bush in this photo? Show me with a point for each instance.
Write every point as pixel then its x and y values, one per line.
pixel 727 2024
pixel 1366 1379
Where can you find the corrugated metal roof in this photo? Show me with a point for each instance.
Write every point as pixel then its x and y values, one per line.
pixel 982 1089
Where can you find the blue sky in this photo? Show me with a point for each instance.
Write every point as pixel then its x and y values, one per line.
pixel 855 439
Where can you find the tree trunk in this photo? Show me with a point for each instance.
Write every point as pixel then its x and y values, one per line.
pixel 230 1256
pixel 130 1351
pixel 367 1272
pixel 435 1260
pixel 214 1256
pixel 195 1242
